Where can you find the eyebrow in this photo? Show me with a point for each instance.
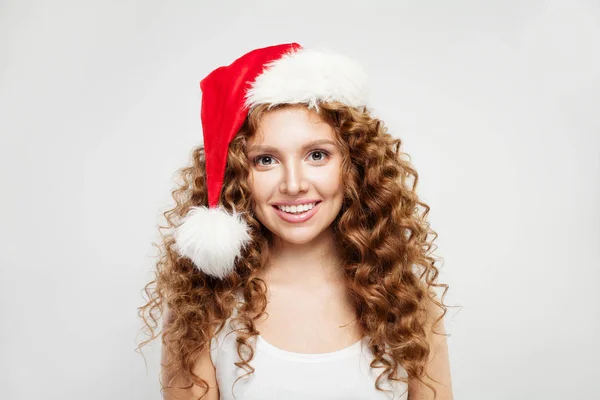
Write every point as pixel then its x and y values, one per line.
pixel 305 147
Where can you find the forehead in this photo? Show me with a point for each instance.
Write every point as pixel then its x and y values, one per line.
pixel 289 128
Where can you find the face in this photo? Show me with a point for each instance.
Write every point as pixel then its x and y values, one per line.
pixel 295 174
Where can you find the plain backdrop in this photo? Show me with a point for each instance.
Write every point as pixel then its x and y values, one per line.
pixel 496 102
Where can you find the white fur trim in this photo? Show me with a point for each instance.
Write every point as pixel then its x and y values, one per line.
pixel 309 76
pixel 212 238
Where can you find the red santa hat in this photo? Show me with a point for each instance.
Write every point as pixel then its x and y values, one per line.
pixel 282 74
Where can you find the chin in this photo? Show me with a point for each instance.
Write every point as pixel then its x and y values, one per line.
pixel 296 236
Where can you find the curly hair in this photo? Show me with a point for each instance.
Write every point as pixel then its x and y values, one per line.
pixel 381 229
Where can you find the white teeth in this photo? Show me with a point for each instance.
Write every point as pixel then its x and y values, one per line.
pixel 297 209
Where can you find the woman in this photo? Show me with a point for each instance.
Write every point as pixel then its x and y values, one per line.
pixel 295 262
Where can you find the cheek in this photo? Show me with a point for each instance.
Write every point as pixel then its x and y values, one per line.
pixel 329 182
pixel 262 187
pixel 329 187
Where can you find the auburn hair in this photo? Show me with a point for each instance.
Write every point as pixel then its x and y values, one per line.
pixel 382 231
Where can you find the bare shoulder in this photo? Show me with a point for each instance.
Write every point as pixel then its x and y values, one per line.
pixel 439 361
pixel 203 368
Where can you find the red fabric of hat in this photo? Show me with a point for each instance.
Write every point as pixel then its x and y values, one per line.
pixel 223 109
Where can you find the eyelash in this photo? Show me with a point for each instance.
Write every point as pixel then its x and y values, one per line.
pixel 257 158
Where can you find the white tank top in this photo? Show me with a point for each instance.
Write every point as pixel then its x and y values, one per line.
pixel 280 374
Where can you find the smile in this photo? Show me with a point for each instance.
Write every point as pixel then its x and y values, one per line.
pixel 297 209
pixel 299 213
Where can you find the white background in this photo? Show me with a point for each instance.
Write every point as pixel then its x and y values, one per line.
pixel 497 103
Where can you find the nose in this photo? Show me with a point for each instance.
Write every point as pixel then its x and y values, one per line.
pixel 293 180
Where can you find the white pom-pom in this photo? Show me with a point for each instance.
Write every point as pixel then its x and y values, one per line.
pixel 212 238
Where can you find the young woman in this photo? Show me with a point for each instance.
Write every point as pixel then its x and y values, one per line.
pixel 296 261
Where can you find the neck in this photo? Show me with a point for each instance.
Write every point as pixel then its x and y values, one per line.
pixel 311 264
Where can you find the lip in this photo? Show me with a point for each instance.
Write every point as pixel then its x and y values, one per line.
pixel 293 218
pixel 295 202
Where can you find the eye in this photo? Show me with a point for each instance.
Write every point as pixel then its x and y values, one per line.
pixel 321 153
pixel 267 158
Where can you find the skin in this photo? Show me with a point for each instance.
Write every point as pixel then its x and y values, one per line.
pixel 304 253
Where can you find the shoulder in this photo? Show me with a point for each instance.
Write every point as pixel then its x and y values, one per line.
pixel 438 366
pixel 175 387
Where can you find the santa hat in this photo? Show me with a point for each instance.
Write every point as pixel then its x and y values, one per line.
pixel 282 74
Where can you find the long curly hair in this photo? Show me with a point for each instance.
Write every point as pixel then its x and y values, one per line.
pixel 381 229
